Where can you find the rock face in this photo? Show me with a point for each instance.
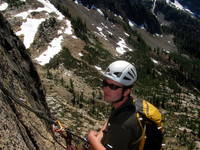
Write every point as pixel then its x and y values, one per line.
pixel 19 127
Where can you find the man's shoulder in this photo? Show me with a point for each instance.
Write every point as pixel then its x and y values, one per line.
pixel 131 121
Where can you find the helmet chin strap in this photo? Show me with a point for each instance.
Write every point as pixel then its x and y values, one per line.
pixel 119 100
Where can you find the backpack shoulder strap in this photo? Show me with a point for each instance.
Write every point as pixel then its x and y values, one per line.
pixel 141 139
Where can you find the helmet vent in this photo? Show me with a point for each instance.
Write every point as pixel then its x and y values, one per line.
pixel 131 75
pixel 118 74
pixel 126 78
pixel 133 72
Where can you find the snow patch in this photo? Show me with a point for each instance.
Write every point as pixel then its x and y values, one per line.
pixel 101 33
pixel 121 17
pixel 131 23
pixel 157 35
pixel 99 11
pixel 110 32
pixel 178 5
pixel 185 129
pixel 98 68
pixel 126 34
pixel 122 46
pixel 3 6
pixel 50 8
pixel 100 29
pixel 142 27
pixel 76 2
pixel 74 37
pixel 154 5
pixel 166 51
pixel 60 32
pixel 68 73
pixel 154 61
pixel 104 25
pixel 52 50
pixel 80 54
pixel 29 29
pixel 68 30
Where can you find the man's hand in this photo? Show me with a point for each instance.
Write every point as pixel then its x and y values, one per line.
pixel 94 138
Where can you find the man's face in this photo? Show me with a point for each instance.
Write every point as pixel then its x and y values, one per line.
pixel 112 90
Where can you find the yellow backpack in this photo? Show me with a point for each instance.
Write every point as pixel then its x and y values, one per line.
pixel 151 121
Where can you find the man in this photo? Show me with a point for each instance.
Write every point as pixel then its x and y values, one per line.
pixel 122 131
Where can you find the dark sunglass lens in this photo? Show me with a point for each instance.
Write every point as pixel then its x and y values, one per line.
pixel 113 87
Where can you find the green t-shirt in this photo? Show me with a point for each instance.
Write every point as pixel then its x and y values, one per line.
pixel 122 129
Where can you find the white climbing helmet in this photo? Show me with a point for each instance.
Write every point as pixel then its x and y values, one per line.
pixel 122 72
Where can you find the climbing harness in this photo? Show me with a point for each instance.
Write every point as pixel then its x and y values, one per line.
pixel 69 136
pixel 56 124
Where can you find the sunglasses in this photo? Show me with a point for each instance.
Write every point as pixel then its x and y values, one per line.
pixel 111 86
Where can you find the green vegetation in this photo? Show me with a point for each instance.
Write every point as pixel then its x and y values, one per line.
pixel 102 56
pixel 80 29
pixel 45 33
pixel 94 108
pixel 185 28
pixel 15 3
pixel 80 68
pixel 162 84
pixel 187 70
pixel 79 26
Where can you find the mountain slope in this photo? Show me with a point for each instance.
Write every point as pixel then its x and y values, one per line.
pixel 96 37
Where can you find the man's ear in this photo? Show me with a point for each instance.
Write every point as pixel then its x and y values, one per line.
pixel 127 92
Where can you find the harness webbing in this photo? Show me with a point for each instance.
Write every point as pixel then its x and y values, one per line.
pixel 143 132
